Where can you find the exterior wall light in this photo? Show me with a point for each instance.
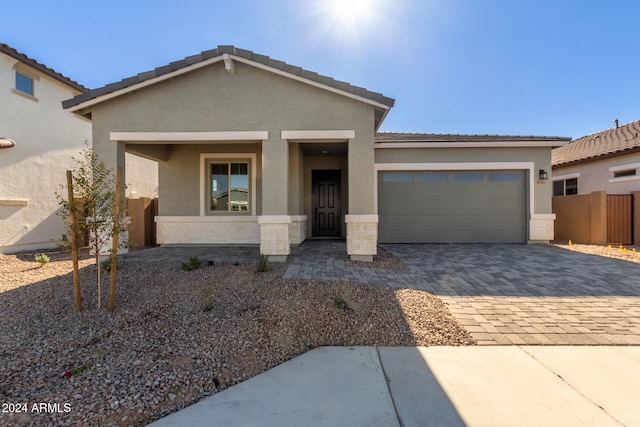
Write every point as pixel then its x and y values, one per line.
pixel 7 143
pixel 543 175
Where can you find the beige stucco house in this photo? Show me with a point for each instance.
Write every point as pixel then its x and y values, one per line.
pixel 607 161
pixel 601 173
pixel 40 140
pixel 251 150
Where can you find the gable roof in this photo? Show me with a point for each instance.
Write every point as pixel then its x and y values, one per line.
pixel 8 50
pixel 226 53
pixel 608 142
pixel 399 139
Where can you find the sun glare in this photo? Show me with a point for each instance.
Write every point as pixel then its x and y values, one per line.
pixel 350 11
pixel 351 16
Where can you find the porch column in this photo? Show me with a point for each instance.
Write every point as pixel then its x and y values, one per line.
pixel 274 221
pixel 362 219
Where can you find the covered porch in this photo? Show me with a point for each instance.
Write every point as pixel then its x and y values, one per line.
pixel 226 188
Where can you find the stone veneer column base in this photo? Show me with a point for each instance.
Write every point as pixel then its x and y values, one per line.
pixel 362 237
pixel 274 236
pixel 541 228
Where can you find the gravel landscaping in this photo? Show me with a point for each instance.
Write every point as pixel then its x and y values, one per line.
pixel 178 336
pixel 606 251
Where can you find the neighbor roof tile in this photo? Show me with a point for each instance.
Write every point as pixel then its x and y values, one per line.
pixel 603 143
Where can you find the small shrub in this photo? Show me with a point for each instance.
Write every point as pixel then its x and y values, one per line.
pixel 75 371
pixel 64 244
pixel 106 265
pixel 342 296
pixel 193 263
pixel 263 263
pixel 42 259
pixel 208 303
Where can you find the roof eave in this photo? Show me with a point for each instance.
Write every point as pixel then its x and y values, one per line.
pixel 73 105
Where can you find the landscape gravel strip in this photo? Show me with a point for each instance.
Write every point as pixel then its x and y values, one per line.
pixel 624 252
pixel 177 336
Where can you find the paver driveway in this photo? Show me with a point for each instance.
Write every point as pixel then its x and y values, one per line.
pixel 506 294
pixel 531 294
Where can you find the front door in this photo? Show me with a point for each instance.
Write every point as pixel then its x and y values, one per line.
pixel 325 188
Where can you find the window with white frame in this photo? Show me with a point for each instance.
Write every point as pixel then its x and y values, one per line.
pixel 25 81
pixel 228 185
pixel 626 172
pixel 623 173
pixel 24 84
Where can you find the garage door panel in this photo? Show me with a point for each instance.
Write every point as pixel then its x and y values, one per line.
pixel 452 207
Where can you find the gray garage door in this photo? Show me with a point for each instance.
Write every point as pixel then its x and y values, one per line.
pixel 451 207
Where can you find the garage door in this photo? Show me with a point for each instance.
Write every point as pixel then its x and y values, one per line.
pixel 451 207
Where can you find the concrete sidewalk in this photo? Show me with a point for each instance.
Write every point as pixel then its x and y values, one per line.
pixel 434 386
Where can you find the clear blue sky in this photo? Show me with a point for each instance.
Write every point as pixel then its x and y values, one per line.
pixel 542 67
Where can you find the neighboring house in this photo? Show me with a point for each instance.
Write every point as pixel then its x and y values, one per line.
pixel 604 167
pixel 304 150
pixel 604 161
pixel 45 138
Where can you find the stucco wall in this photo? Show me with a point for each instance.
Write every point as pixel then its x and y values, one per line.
pixel 210 99
pixel 46 138
pixel 141 177
pixel 595 176
pixel 541 156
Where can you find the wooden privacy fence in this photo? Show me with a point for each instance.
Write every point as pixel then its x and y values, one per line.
pixel 597 218
pixel 142 230
pixel 620 219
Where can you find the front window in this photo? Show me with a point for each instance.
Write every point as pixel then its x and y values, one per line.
pixel 229 187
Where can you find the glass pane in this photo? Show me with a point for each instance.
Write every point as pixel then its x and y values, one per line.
pixel 220 187
pixel 571 186
pixel 468 177
pixel 239 187
pixel 397 177
pixel 619 174
pixel 433 177
pixel 504 177
pixel 558 188
pixel 24 84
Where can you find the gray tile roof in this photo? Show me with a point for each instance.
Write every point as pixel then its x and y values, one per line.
pixel 392 137
pixel 607 142
pixel 232 50
pixel 8 50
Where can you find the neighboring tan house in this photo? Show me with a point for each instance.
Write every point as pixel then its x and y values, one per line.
pixel 40 139
pixel 299 156
pixel 603 165
pixel 604 161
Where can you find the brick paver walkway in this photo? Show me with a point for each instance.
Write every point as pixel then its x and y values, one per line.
pixel 502 294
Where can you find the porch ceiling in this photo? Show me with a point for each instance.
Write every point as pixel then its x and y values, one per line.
pixel 325 148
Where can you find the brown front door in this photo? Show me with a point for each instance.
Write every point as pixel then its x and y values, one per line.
pixel 325 188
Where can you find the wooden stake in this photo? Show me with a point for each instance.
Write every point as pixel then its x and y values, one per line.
pixel 74 242
pixel 114 242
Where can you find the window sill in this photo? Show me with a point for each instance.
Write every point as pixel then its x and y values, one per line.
pixel 26 95
pixel 208 218
pixel 625 178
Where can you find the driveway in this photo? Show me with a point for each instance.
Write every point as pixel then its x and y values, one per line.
pixel 530 294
